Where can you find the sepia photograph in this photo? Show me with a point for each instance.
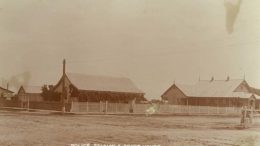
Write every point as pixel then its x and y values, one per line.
pixel 129 73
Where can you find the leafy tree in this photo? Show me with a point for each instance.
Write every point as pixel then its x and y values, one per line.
pixel 49 94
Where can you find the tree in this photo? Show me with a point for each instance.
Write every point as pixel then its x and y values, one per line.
pixel 45 93
pixel 49 94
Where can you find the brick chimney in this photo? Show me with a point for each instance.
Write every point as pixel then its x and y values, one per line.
pixel 212 79
pixel 228 78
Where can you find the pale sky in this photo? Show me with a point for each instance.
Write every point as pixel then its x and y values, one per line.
pixel 153 42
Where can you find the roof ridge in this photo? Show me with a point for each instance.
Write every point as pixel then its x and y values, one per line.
pixel 31 85
pixel 220 80
pixel 207 88
pixel 92 75
pixel 103 83
pixel 6 89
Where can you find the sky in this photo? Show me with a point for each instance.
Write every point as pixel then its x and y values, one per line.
pixel 154 43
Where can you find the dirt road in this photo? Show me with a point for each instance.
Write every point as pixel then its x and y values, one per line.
pixel 36 129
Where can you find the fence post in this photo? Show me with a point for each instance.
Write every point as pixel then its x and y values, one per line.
pixel 116 107
pixel 28 103
pixel 87 107
pixel 226 110
pixel 119 107
pixel 72 106
pixel 100 106
pixel 106 106
pixel 168 108
pixel 188 109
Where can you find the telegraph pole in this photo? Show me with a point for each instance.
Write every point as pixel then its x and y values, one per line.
pixel 63 87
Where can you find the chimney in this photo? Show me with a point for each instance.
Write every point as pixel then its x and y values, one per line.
pixel 64 66
pixel 212 79
pixel 7 86
pixel 228 78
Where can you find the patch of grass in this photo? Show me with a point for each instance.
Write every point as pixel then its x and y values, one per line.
pixel 247 141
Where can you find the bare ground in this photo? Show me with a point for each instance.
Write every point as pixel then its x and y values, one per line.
pixel 45 129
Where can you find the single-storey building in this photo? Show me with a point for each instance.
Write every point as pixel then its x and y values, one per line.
pixel 31 93
pixel 93 88
pixel 222 93
pixel 82 88
pixel 6 93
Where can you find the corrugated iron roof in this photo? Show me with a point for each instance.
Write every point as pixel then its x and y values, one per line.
pixel 242 95
pixel 257 96
pixel 7 90
pixel 102 83
pixel 32 89
pixel 215 88
pixel 255 91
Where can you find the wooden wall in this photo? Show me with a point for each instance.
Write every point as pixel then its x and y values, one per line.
pixel 217 101
pixel 174 96
pixel 114 97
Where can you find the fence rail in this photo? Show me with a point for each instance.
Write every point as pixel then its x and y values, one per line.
pixel 123 108
pixel 106 107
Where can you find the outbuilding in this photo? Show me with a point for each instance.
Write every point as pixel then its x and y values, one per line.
pixel 6 93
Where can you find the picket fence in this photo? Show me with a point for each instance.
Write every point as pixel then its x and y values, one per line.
pixel 113 108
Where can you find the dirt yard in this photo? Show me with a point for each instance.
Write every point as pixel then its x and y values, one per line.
pixel 44 130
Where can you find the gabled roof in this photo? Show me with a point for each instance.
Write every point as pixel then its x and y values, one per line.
pixel 6 90
pixel 215 88
pixel 32 89
pixel 102 83
pixel 255 91
pixel 257 96
pixel 243 95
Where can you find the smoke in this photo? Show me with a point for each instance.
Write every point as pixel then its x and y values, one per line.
pixel 16 81
pixel 232 10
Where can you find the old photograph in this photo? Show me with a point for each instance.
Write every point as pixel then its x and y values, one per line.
pixel 129 73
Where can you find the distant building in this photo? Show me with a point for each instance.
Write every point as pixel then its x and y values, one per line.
pixel 92 88
pixel 31 93
pixel 6 93
pixel 224 93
